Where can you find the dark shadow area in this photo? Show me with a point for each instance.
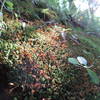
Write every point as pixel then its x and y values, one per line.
pixel 4 82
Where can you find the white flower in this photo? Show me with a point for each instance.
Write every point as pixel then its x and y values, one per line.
pixel 23 24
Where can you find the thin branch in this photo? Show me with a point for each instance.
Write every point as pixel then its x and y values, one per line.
pixel 2 5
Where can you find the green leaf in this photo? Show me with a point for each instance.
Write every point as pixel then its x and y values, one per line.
pixel 16 15
pixel 94 78
pixel 9 4
pixel 73 61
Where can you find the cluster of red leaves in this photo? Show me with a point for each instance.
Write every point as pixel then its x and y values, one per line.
pixel 53 45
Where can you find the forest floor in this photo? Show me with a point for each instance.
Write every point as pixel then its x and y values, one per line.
pixel 38 61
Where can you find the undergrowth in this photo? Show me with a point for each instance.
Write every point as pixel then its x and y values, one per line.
pixel 38 60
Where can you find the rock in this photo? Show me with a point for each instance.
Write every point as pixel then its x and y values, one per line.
pixel 82 60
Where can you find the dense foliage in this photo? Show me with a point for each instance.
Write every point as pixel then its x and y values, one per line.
pixel 49 50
